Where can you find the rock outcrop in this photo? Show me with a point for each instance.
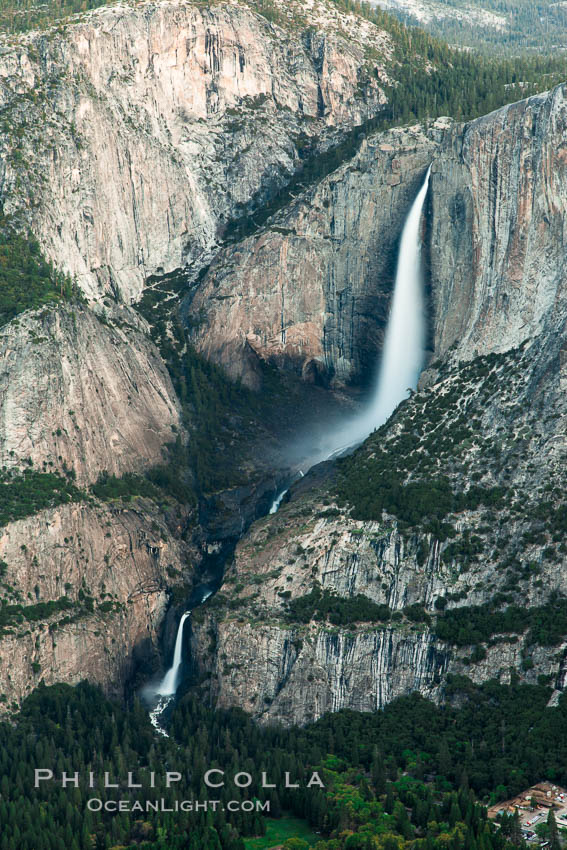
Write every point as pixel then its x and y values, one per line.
pixel 83 392
pixel 134 134
pixel 498 224
pixel 311 290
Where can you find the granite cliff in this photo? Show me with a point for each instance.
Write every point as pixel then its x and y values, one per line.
pixel 453 510
pixel 133 168
pixel 84 583
pixel 134 135
pixel 436 548
pixel 310 290
pixel 83 392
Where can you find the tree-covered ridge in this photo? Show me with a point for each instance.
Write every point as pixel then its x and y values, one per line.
pixel 520 27
pixel 406 778
pixel 27 279
pixel 126 487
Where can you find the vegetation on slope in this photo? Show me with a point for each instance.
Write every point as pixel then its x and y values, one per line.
pixel 407 778
pixel 27 279
pixel 126 487
pixel 27 492
pixel 528 25
pixel 468 625
pixel 417 465
pixel 22 15
pixel 220 415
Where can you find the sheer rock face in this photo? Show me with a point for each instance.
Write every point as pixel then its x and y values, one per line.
pixel 121 557
pixel 84 394
pixel 147 128
pixel 290 672
pixel 294 676
pixel 310 291
pixel 498 227
pixel 89 394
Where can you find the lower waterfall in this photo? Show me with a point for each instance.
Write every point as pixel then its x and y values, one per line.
pixel 162 694
pixel 169 682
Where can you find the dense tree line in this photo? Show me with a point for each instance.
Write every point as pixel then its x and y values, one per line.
pixel 22 15
pixel 24 492
pixel 468 625
pixel 404 778
pixel 126 487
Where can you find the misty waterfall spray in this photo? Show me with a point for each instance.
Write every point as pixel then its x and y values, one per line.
pixel 403 352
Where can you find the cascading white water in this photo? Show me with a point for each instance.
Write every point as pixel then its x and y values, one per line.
pixel 404 343
pixel 277 501
pixel 168 684
pixel 162 695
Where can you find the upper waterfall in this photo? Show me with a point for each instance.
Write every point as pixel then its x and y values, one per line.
pixel 404 345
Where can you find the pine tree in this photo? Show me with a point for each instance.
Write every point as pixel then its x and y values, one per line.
pixel 516 830
pixel 554 842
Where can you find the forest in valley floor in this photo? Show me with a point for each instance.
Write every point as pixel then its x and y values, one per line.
pixel 415 776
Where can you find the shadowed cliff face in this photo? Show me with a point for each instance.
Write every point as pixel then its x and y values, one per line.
pixel 147 129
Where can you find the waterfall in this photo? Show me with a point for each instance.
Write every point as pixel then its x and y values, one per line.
pixel 168 684
pixel 160 697
pixel 277 501
pixel 404 343
pixel 401 363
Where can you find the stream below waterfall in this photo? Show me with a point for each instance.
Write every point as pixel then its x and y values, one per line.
pixel 400 366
